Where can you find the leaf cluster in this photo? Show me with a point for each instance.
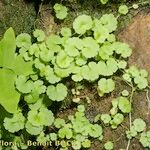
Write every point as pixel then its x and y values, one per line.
pixel 139 77
pixel 37 119
pixel 78 129
pixel 61 11
pixel 145 139
pixel 138 126
pixel 121 106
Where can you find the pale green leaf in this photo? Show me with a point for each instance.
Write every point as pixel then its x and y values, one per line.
pixel 7 48
pixel 20 67
pixel 9 97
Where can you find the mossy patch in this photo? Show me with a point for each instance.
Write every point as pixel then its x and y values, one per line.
pixel 17 14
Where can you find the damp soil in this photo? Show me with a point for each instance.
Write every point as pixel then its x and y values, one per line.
pixel 134 29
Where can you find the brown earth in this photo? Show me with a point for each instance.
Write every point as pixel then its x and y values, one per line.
pixel 45 20
pixel 137 35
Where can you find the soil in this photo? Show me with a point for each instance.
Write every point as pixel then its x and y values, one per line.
pixel 136 33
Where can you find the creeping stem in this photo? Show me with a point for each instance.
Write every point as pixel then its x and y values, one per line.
pixel 130 114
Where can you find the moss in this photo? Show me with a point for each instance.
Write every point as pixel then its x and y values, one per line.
pixel 17 14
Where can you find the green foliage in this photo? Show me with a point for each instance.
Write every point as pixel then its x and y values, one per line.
pixel 57 93
pixel 23 40
pixel 90 47
pixel 82 24
pixel 105 51
pixel 9 98
pixel 72 46
pixel 123 9
pixel 117 120
pixel 76 145
pixel 111 38
pixel 30 88
pixel 122 49
pixel 22 145
pixel 138 76
pixel 53 42
pixel 11 67
pixel 61 11
pixel 42 117
pixel 81 108
pixel 34 50
pixel 39 34
pixel 138 126
pixel 109 22
pixel 122 64
pixel 8 47
pixel 42 138
pixel 33 130
pixel 105 86
pixel 104 1
pixel 145 139
pixel 17 67
pixel 15 123
pixel 37 89
pixel 37 119
pixel 135 6
pixel 131 133
pixel 63 60
pixel 46 55
pixel 65 132
pixel 78 129
pixel 114 109
pixel 59 122
pixel 109 145
pixel 23 85
pixel 66 32
pixel 86 143
pixel 124 105
pixel 57 57
pixel 90 72
pixel 107 68
pixel 53 136
pixel 106 118
pixel 125 93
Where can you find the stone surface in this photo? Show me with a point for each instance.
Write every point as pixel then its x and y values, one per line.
pixel 137 35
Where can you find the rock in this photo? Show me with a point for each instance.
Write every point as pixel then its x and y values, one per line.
pixel 137 35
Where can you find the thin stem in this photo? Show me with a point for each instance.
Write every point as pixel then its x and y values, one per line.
pixel 148 99
pixel 143 3
pixel 119 138
pixel 140 3
pixel 129 141
pixel 40 8
pixel 38 13
pixel 119 78
pixel 130 115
